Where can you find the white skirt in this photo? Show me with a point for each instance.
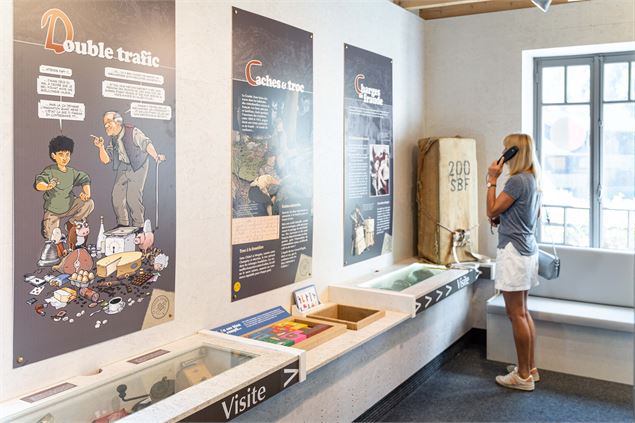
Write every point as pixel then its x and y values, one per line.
pixel 515 272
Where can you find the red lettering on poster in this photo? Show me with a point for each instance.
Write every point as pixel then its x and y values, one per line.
pixel 357 87
pixel 250 80
pixel 50 18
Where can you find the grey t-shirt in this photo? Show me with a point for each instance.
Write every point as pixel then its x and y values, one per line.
pixel 518 222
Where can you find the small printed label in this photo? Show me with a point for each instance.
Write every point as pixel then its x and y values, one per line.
pixel 148 356
pixel 48 392
pixel 462 282
pixel 55 70
pixel 433 297
pixel 47 109
pixel 129 75
pixel 253 322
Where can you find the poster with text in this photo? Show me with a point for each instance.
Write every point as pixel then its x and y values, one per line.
pixel 94 172
pixel 272 154
pixel 368 155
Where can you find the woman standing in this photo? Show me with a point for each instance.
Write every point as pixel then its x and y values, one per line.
pixel 516 210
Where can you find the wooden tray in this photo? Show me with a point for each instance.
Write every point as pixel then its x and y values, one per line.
pixel 336 329
pixel 354 318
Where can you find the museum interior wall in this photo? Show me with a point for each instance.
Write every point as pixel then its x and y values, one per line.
pixel 203 155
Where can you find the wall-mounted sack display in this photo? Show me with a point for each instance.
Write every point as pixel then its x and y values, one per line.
pixel 447 200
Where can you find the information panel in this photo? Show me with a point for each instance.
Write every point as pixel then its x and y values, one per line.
pixel 94 172
pixel 272 154
pixel 368 155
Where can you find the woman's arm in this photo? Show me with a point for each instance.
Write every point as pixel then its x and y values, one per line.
pixel 496 205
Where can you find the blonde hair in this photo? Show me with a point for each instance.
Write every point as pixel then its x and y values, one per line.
pixel 526 159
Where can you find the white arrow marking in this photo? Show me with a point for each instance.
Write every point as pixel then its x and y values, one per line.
pixel 428 302
pixel 440 294
pixel 293 372
pixel 449 288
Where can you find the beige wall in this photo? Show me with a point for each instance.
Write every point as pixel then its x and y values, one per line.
pixel 473 71
pixel 203 130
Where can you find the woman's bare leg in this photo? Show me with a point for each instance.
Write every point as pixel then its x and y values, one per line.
pixel 517 312
pixel 532 332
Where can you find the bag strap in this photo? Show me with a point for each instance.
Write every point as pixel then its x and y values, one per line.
pixel 553 244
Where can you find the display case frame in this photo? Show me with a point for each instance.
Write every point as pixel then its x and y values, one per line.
pixel 273 368
pixel 411 300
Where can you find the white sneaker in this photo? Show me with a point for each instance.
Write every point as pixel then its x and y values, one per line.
pixel 533 372
pixel 514 381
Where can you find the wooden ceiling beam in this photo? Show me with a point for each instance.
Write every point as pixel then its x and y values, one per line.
pixel 480 7
pixel 427 4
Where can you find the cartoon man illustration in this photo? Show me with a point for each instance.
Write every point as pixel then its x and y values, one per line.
pixel 128 150
pixel 57 182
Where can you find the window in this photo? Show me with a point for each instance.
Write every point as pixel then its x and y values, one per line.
pixel 585 136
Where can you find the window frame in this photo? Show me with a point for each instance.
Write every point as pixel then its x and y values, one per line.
pixel 596 101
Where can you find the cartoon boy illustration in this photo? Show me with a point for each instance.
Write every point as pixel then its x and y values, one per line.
pixel 57 182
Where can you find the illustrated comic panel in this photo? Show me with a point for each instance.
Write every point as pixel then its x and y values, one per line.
pixel 94 153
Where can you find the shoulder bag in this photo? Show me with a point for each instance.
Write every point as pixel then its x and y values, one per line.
pixel 548 264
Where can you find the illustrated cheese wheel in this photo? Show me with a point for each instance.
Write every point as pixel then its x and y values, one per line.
pixel 123 263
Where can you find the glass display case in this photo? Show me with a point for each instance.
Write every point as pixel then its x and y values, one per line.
pixel 405 278
pixel 407 287
pixel 147 381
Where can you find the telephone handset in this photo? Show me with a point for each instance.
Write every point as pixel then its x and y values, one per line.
pixel 508 154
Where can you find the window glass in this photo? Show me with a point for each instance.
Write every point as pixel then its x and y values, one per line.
pixel 586 142
pixel 616 228
pixel 577 229
pixel 632 80
pixel 578 84
pixel 553 224
pixel 553 85
pixel 618 175
pixel 565 158
pixel 615 81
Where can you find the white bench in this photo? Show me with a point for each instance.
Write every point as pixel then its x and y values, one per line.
pixel 592 340
pixel 584 319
